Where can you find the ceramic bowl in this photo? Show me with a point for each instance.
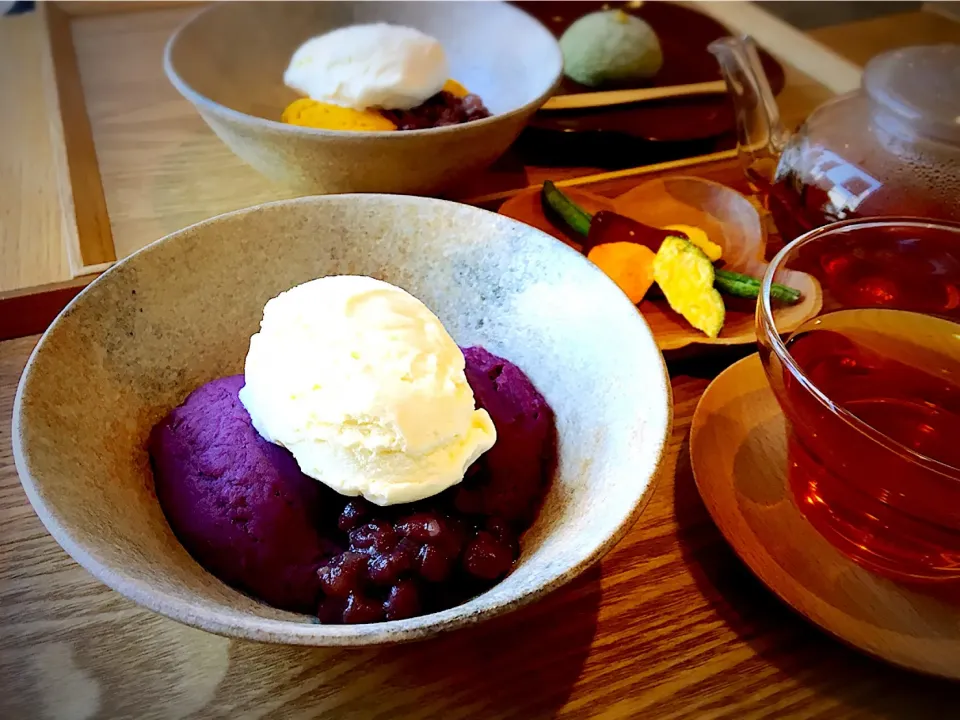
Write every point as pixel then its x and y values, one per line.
pixel 229 62
pixel 180 312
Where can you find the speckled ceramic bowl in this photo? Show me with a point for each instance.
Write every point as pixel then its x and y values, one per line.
pixel 229 62
pixel 181 311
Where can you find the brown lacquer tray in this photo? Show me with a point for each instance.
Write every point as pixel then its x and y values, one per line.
pixel 640 133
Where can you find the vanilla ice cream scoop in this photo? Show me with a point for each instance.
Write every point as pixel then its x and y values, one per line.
pixel 362 383
pixel 369 66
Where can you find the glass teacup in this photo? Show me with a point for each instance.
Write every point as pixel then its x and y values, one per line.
pixel 870 388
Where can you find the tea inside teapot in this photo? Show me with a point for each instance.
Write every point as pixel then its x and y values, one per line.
pixel 891 148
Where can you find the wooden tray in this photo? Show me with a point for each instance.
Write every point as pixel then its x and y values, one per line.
pixel 125 160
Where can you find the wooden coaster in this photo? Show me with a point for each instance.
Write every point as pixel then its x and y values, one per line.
pixel 738 455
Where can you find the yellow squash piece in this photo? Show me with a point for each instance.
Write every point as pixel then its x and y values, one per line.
pixel 685 275
pixel 455 88
pixel 629 265
pixel 324 116
pixel 699 238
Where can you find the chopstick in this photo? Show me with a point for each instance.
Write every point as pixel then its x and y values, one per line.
pixel 606 98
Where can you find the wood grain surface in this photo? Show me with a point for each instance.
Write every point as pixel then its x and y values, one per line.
pixel 32 251
pixel 860 41
pixel 88 235
pixel 670 625
pixel 161 167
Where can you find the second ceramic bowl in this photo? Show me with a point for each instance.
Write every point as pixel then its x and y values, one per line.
pixel 230 58
pixel 181 311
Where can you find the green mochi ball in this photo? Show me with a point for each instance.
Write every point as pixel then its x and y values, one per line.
pixel 610 47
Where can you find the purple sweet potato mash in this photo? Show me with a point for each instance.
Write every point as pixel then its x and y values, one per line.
pixel 239 504
pixel 243 509
pixel 521 460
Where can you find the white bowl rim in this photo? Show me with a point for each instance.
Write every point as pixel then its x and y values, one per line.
pixel 200 100
pixel 318 634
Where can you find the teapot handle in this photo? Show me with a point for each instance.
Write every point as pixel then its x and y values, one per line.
pixel 761 136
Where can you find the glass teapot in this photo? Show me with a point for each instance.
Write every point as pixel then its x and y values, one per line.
pixel 890 148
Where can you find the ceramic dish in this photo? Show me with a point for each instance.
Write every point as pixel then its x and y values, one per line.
pixel 727 217
pixel 229 60
pixel 180 312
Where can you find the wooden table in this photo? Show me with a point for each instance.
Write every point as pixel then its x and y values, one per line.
pixel 671 624
pixel 860 41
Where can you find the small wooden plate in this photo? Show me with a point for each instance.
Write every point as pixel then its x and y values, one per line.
pixel 738 456
pixel 729 219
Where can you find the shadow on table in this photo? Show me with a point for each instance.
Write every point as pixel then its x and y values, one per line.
pixel 804 655
pixel 705 361
pixel 507 173
pixel 523 665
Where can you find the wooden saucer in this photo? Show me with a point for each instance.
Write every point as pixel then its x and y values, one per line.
pixel 738 455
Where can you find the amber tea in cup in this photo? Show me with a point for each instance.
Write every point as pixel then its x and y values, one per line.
pixel 870 388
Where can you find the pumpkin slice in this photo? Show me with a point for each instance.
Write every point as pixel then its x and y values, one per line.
pixel 629 265
pixel 685 275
